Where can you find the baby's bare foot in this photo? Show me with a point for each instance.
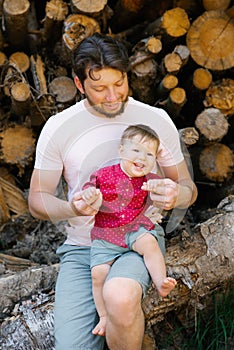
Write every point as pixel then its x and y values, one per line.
pixel 166 287
pixel 100 328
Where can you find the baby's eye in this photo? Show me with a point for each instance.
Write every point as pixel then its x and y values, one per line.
pixel 150 154
pixel 135 150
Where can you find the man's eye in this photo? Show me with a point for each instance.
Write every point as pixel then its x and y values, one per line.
pixel 119 84
pixel 98 89
pixel 149 154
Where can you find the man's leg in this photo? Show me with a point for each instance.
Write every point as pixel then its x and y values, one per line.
pixel 75 312
pixel 127 281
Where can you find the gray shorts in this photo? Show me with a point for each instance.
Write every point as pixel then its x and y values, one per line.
pixel 103 251
pixel 75 312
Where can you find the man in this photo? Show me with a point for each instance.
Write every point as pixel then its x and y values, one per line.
pixel 73 144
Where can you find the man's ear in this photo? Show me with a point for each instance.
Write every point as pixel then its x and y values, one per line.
pixel 78 84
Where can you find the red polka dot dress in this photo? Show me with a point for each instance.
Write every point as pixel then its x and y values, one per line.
pixel 123 206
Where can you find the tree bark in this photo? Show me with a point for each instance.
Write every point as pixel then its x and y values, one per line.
pixel 200 261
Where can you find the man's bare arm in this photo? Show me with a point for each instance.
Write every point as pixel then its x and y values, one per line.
pixel 43 203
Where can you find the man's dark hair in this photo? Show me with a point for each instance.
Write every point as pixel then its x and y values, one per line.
pixel 96 52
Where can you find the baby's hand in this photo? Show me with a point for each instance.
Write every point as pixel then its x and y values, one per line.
pixel 90 195
pixel 150 185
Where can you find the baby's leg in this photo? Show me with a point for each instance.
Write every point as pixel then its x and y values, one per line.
pixel 147 246
pixel 99 273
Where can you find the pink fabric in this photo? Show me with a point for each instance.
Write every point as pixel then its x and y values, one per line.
pixel 123 207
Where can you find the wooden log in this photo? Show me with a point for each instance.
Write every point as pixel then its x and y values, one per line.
pixel 90 8
pixel 168 83
pixel 150 45
pixel 175 101
pixel 34 30
pixel 44 104
pixel 171 63
pixel 215 4
pixel 202 79
pixel 221 95
pixel 183 52
pixel 64 90
pixel 55 13
pixel 201 262
pixel 98 10
pixel 76 28
pixel 17 147
pixel 38 73
pixel 3 59
pixel 198 261
pixel 176 22
pixel 28 281
pixel 12 76
pixel 143 77
pixel 12 200
pixel 20 60
pixel 15 15
pixel 31 325
pixel 128 13
pixel 14 263
pixel 20 99
pixel 4 210
pixel 209 38
pixel 216 162
pixel 189 136
pixel 212 124
pixel 145 50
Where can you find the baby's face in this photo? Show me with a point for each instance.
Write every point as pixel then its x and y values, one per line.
pixel 138 156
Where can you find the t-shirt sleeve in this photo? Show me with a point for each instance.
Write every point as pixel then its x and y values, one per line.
pixel 48 155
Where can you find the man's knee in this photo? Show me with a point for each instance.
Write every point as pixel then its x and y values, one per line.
pixel 122 299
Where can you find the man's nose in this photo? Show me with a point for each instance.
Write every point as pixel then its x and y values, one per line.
pixel 111 95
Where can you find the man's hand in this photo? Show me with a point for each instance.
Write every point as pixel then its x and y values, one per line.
pixel 86 202
pixel 163 192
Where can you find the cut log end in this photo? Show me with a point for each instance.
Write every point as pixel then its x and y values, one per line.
pixel 212 124
pixel 176 22
pixel 17 146
pixel 210 39
pixel 217 162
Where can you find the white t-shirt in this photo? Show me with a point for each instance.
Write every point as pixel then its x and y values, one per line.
pixel 78 143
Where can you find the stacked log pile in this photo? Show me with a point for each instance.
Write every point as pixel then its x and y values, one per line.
pixel 181 60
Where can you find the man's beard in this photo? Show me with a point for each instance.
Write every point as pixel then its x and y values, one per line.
pixel 103 112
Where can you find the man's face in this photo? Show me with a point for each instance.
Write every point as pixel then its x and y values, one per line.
pixel 108 93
